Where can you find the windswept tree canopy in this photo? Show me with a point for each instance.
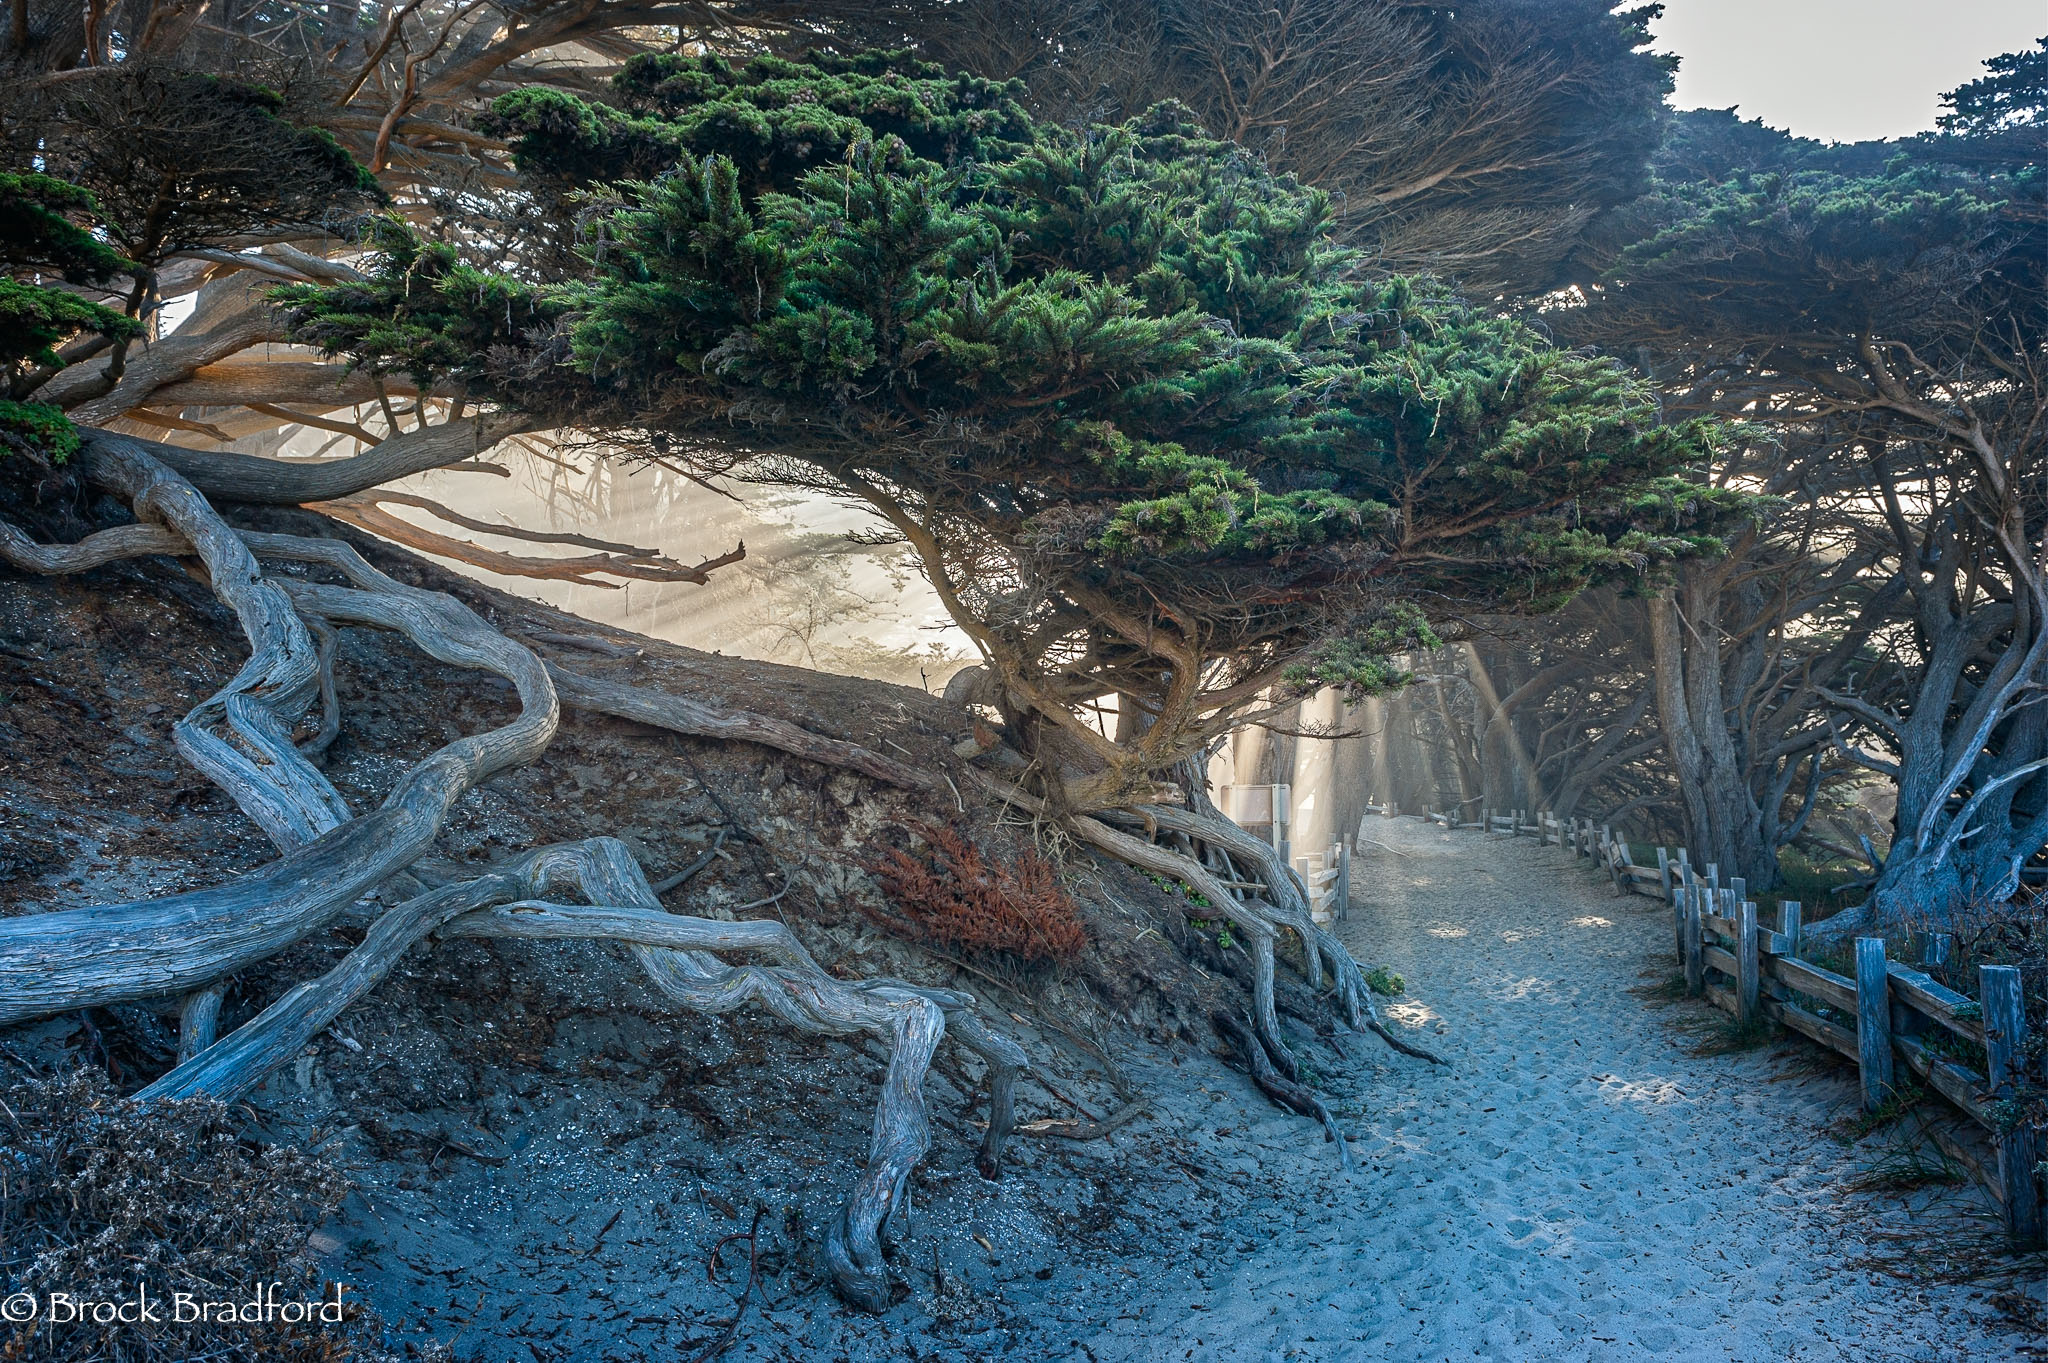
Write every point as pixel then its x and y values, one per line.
pixel 1886 307
pixel 1149 430
pixel 1475 141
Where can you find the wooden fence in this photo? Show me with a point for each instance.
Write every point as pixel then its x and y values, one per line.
pixel 1970 1052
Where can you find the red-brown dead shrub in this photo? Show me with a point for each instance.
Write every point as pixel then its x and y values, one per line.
pixel 954 897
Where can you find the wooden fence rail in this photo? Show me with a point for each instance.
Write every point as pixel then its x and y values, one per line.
pixel 1890 1016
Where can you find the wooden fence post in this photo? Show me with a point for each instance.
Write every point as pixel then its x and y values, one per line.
pixel 1695 957
pixel 2005 1039
pixel 1664 870
pixel 1713 875
pixel 1748 972
pixel 1679 894
pixel 1739 888
pixel 1873 1022
pixel 1935 947
pixel 1791 926
pixel 1344 880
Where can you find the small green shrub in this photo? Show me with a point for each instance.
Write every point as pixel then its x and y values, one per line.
pixel 38 430
pixel 1385 982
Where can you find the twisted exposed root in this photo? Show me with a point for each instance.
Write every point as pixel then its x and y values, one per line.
pixel 676 953
pixel 1354 995
pixel 240 737
pixel 1388 1035
pixel 186 943
pixel 51 963
pixel 1281 1090
pixel 1247 917
pixel 229 1068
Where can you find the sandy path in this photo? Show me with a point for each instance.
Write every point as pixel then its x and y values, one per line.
pixel 1575 1185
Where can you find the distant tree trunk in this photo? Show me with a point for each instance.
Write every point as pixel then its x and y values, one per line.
pixel 1973 800
pixel 1721 813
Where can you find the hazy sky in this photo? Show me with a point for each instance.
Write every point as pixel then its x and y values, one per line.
pixel 1839 70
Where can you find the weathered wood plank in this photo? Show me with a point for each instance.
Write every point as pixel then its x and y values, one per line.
pixel 1804 977
pixel 1960 1086
pixel 1874 1024
pixel 1792 925
pixel 1719 958
pixel 1926 995
pixel 1834 1037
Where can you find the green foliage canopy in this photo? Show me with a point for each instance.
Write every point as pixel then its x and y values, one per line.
pixel 1148 427
pixel 45 237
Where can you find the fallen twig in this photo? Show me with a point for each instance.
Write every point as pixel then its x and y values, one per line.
pixel 664 886
pixel 732 1327
pixel 1086 1131
pixel 1386 1034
